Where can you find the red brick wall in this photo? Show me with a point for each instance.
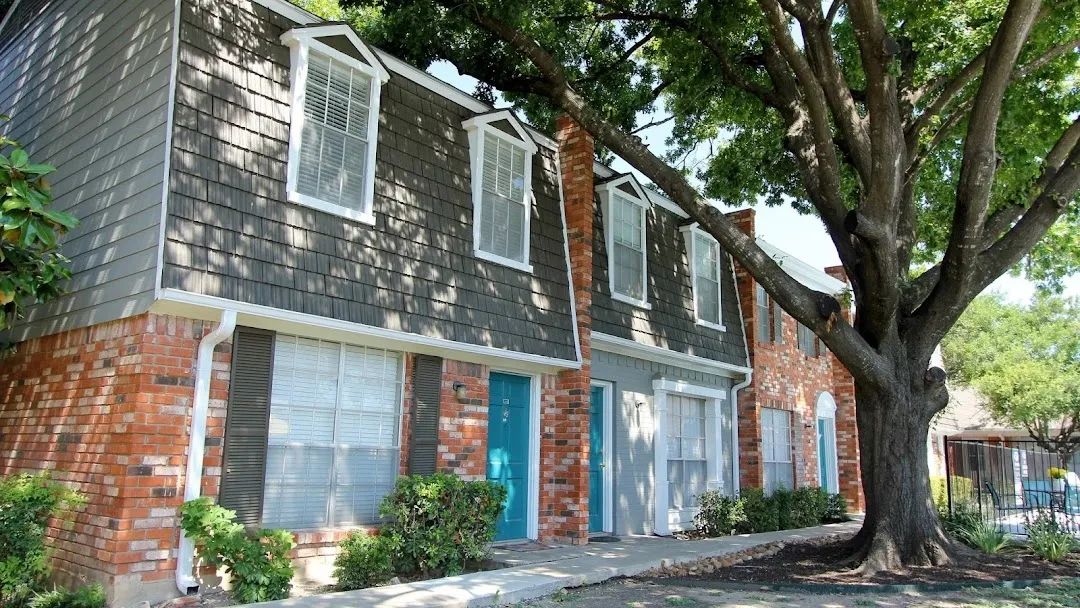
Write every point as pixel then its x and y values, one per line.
pixel 787 378
pixel 463 423
pixel 106 410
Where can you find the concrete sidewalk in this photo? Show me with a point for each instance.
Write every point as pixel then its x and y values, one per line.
pixel 552 570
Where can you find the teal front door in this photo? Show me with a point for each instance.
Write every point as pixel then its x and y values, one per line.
pixel 596 459
pixel 824 455
pixel 508 450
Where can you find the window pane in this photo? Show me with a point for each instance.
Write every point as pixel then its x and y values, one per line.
pixel 763 326
pixel 628 265
pixel 503 208
pixel 708 300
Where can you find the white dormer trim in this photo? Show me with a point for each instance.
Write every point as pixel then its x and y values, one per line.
pixel 478 127
pixel 607 190
pixel 301 41
pixel 689 234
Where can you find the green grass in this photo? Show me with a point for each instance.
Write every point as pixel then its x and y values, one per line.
pixel 678 600
pixel 1061 595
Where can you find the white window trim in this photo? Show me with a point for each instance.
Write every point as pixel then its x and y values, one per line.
pixel 826 409
pixel 300 42
pixel 689 237
pixel 607 196
pixel 681 519
pixel 790 442
pixel 478 127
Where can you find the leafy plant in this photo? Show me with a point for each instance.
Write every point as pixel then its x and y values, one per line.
pixel 963 489
pixel 258 564
pixel 27 502
pixel 91 596
pixel 1048 539
pixel 1056 473
pixel 365 560
pixel 985 536
pixel 808 507
pixel 718 515
pixel 782 498
pixel 761 512
pixel 962 520
pixel 31 266
pixel 437 523
pixel 835 509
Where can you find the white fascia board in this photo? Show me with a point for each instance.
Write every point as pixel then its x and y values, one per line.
pixel 481 120
pixel 811 277
pixel 654 197
pixel 629 348
pixel 197 306
pixel 296 35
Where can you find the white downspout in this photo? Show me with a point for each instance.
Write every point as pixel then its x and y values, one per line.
pixel 204 369
pixel 735 431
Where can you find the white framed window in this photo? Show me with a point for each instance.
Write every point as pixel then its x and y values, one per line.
pixel 776 449
pixel 332 453
pixel 501 165
pixel 334 123
pixel 625 209
pixel 764 327
pixel 705 258
pixel 828 464
pixel 688 467
pixel 807 340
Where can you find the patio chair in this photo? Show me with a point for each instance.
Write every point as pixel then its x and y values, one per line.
pixel 1001 505
pixel 1036 493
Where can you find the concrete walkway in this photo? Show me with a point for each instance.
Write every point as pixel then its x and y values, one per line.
pixel 545 572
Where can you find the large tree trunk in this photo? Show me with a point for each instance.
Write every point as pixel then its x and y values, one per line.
pixel 901 527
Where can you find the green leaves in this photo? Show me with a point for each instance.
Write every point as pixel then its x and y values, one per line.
pixel 31 266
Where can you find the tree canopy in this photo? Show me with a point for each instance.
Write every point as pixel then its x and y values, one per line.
pixel 1025 360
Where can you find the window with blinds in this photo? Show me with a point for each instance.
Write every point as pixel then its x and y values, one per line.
pixel 764 328
pixel 687 459
pixel 627 263
pixel 807 341
pixel 776 449
pixel 503 206
pixel 707 278
pixel 332 452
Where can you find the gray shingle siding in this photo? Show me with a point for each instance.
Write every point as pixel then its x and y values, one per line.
pixel 86 85
pixel 670 324
pixel 230 232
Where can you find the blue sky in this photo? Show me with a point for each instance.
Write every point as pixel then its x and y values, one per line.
pixel 800 235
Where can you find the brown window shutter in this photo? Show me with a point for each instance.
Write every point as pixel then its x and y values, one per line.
pixel 247 424
pixel 778 323
pixel 427 392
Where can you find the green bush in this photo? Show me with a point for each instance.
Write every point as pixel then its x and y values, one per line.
pixel 258 564
pixel 438 523
pixel 365 560
pixel 985 536
pixel 835 509
pixel 27 502
pixel 1048 539
pixel 808 507
pixel 782 498
pixel 92 596
pixel 719 515
pixel 962 521
pixel 761 512
pixel 963 490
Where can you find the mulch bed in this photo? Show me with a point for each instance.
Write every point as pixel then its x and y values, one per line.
pixel 815 563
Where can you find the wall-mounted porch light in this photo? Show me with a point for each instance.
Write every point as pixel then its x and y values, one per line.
pixel 459 389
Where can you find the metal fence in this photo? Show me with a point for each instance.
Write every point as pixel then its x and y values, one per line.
pixel 1009 483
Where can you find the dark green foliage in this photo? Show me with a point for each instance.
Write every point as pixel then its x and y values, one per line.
pixel 808 507
pixel 436 526
pixel 761 511
pixel 782 498
pixel 1048 539
pixel 260 570
pixel 91 596
pixel 835 509
pixel 719 515
pixel 365 560
pixel 963 519
pixel 27 502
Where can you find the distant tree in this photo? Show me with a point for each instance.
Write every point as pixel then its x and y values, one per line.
pixel 1025 360
pixel 31 265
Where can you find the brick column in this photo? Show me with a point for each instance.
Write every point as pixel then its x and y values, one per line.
pixel 750 465
pixel 847 432
pixel 564 445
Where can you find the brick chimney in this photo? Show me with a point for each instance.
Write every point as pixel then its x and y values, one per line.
pixel 564 462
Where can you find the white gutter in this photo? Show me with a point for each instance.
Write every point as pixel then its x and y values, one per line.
pixel 204 369
pixel 735 431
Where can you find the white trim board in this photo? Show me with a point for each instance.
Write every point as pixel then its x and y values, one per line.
pixel 198 306
pixel 629 348
pixel 166 181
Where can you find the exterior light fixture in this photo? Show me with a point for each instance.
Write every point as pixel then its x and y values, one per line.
pixel 459 389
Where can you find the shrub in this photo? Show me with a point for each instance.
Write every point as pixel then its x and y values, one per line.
pixel 1048 539
pixel 761 512
pixel 782 498
pixel 27 502
pixel 963 490
pixel 438 523
pixel 985 536
pixel 835 509
pixel 260 570
pixel 963 519
pixel 808 507
pixel 92 596
pixel 365 560
pixel 719 515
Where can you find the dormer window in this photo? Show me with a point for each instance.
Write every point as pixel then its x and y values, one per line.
pixel 624 206
pixel 335 119
pixel 501 153
pixel 705 258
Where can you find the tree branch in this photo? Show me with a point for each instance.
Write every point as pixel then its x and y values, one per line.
pixel 614 65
